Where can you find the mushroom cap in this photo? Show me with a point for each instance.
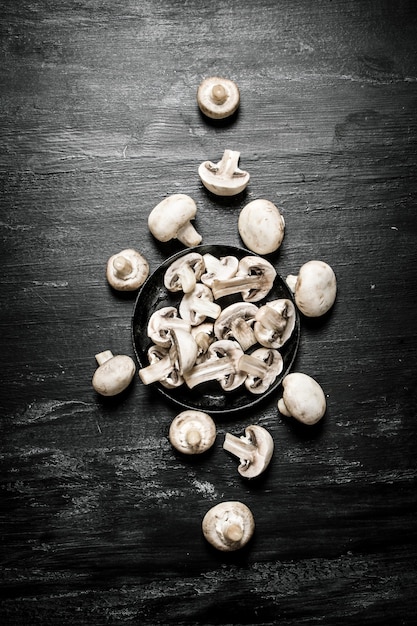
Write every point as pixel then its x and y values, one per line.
pixel 192 432
pixel 114 375
pixel 224 178
pixel 261 226
pixel 315 288
pixel 218 97
pixel 303 398
pixel 225 267
pixel 171 216
pixel 127 270
pixel 254 450
pixel 228 526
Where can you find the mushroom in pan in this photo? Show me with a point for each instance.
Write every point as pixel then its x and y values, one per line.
pixel 180 356
pixel 314 288
pixel 162 368
pixel 224 178
pixel 204 337
pixel 218 97
pixel 114 373
pixel 261 368
pixel 275 322
pixel 161 322
pixel 184 272
pixel 192 432
pixel 236 322
pixel 222 268
pixel 253 280
pixel 228 526
pixel 171 219
pixel 261 226
pixel 254 450
pixel 303 398
pixel 197 305
pixel 127 270
pixel 221 365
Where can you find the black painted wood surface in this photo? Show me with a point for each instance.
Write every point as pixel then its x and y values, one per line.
pixel 101 519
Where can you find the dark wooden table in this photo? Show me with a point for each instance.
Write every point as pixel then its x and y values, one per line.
pixel 101 519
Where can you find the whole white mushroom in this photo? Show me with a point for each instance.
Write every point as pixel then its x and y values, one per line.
pixel 303 398
pixel 261 226
pixel 314 288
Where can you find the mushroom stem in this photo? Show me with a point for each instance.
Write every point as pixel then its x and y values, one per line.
pixel 233 532
pixel 243 333
pixel 236 284
pixel 187 278
pixel 122 266
pixel 104 356
pixel 253 366
pixel 212 369
pixel 156 371
pixel 272 319
pixel 240 447
pixel 206 308
pixel 188 235
pixel 228 165
pixel 193 437
pixel 218 94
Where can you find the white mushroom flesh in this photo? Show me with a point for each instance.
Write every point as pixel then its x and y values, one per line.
pixel 192 432
pixel 253 280
pixel 224 178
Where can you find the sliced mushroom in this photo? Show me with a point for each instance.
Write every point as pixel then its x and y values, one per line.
pixel 184 272
pixel 221 365
pixel 253 280
pixel 223 268
pixel 314 288
pixel 224 178
pixel 161 322
pixel 180 356
pixel 261 226
pixel 197 305
pixel 254 450
pixel 127 270
pixel 162 368
pixel 236 322
pixel 171 219
pixel 261 368
pixel 228 526
pixel 217 97
pixel 275 322
pixel 192 432
pixel 204 337
pixel 303 398
pixel 114 373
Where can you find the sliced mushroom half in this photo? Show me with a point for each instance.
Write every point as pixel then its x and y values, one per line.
pixel 183 273
pixel 197 305
pixel 253 280
pixel 236 322
pixel 161 322
pixel 275 322
pixel 254 450
pixel 262 368
pixel 224 178
pixel 222 268
pixel 221 365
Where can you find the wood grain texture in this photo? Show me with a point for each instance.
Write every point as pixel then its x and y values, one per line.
pixel 101 518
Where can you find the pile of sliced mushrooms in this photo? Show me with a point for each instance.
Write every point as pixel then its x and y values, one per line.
pixel 198 341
